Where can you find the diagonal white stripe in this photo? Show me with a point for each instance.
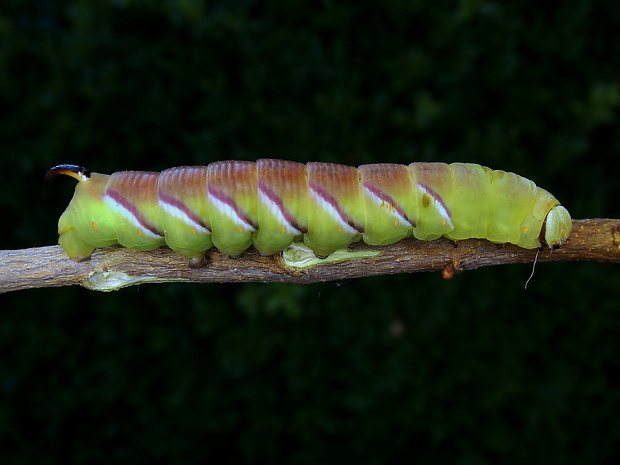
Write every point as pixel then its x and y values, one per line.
pixel 380 202
pixel 230 212
pixel 118 208
pixel 181 215
pixel 438 206
pixel 277 212
pixel 331 211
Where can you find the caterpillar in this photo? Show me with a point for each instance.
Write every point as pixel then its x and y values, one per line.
pixel 271 203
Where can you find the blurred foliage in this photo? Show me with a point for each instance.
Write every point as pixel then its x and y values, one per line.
pixel 381 370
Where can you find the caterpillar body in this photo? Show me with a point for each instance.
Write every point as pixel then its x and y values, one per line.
pixel 271 203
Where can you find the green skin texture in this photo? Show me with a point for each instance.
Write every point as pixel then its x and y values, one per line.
pixel 495 205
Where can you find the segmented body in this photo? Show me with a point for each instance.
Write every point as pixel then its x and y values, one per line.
pixel 270 203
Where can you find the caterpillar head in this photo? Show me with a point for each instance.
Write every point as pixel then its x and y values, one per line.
pixel 557 227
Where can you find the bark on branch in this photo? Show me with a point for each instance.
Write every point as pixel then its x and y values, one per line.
pixel 116 267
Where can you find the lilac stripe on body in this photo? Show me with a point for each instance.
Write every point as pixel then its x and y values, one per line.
pixel 127 208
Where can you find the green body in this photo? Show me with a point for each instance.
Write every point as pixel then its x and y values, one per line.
pixel 272 203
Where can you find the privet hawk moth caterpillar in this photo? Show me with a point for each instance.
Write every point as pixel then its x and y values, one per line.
pixel 271 203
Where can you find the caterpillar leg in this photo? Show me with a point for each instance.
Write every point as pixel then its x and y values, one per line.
pixel 262 254
pixel 197 262
pixel 75 247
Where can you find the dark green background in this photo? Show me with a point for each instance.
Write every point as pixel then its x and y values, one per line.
pixel 395 369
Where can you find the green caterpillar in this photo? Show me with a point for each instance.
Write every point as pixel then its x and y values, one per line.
pixel 271 203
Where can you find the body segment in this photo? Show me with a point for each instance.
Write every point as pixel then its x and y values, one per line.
pixel 271 203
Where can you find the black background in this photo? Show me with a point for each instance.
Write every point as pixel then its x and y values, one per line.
pixel 476 370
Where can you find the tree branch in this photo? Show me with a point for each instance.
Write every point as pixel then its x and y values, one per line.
pixel 116 267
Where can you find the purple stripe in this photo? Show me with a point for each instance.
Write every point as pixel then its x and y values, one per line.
pixel 271 195
pixel 390 201
pixel 219 195
pixel 176 203
pixel 327 197
pixel 437 198
pixel 119 199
